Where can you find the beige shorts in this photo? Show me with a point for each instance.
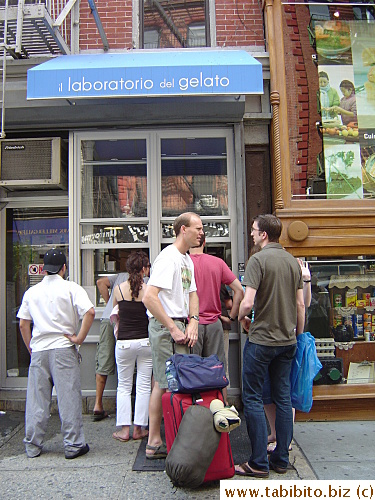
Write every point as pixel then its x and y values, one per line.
pixel 105 350
pixel 162 348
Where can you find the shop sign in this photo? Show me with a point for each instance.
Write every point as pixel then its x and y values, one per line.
pixel 44 231
pixel 146 73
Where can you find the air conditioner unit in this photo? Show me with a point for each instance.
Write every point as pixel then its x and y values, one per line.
pixel 33 164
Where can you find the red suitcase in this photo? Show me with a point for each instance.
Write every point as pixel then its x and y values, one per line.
pixel 174 407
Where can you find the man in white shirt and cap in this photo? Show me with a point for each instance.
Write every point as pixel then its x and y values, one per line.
pixel 55 307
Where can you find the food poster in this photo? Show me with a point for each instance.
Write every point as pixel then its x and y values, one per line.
pixel 346 67
pixel 343 171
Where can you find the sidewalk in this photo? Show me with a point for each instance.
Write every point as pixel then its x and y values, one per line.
pixel 105 472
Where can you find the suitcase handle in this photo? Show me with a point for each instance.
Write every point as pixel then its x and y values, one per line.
pixel 174 349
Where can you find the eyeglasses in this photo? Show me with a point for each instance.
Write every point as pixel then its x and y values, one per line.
pixel 256 229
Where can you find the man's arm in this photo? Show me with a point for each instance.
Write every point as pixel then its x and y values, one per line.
pixel 104 286
pixel 247 303
pixel 300 312
pixel 238 295
pixel 87 321
pixel 152 302
pixel 191 331
pixel 246 307
pixel 25 329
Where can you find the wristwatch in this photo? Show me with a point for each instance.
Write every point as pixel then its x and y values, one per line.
pixel 195 317
pixel 232 319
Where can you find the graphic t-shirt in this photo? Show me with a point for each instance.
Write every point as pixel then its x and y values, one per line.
pixel 173 273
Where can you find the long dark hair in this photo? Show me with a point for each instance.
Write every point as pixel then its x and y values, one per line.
pixel 137 260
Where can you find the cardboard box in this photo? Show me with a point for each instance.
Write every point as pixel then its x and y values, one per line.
pixel 366 297
pixel 351 298
pixel 361 303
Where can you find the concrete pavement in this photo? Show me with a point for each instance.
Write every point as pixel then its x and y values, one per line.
pixel 106 471
pixel 321 450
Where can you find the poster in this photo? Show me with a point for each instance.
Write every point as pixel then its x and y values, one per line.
pixel 346 67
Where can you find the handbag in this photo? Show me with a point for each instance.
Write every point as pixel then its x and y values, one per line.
pixel 305 367
pixel 189 373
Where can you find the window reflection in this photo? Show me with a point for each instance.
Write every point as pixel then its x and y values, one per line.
pixel 177 24
pixel 194 176
pixel 114 179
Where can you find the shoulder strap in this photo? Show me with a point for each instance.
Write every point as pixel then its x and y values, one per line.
pixel 121 292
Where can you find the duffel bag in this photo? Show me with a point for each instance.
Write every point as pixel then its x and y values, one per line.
pixel 194 373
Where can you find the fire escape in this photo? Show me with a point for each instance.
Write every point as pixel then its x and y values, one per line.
pixel 35 28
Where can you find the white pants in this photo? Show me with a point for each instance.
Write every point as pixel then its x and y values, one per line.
pixel 129 352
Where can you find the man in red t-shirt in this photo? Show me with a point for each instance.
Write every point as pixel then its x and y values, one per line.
pixel 210 273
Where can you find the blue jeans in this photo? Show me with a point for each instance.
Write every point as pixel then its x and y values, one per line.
pixel 257 361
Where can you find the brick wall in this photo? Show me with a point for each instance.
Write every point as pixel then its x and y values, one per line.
pixel 238 23
pixel 302 83
pixel 116 17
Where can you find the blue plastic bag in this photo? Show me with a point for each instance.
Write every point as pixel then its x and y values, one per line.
pixel 305 367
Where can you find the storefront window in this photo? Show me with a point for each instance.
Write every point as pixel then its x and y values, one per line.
pixel 114 179
pixel 341 317
pixel 29 234
pixel 333 51
pixel 194 176
pixel 131 186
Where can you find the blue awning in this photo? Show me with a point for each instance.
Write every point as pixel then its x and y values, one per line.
pixel 146 74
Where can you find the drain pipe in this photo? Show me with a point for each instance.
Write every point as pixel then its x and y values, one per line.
pixel 95 13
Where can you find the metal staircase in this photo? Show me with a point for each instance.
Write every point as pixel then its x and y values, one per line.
pixel 34 28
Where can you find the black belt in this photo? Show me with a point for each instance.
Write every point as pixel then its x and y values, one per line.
pixel 182 320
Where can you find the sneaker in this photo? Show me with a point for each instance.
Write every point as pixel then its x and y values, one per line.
pixel 82 451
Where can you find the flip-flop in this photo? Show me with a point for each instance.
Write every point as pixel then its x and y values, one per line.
pixel 159 451
pixel 246 470
pixel 119 438
pixel 272 445
pixel 99 415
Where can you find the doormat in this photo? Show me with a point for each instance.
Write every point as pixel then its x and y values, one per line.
pixel 144 464
pixel 240 442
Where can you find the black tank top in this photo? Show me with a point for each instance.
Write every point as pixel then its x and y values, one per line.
pixel 133 320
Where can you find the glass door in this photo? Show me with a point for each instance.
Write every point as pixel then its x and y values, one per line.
pixel 30 232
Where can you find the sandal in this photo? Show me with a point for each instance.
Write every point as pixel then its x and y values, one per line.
pixel 245 470
pixel 119 438
pixel 159 451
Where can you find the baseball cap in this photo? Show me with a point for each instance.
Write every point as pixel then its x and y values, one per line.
pixel 54 259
